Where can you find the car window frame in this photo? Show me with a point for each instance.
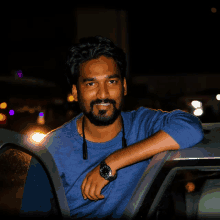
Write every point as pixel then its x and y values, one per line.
pixel 13 140
pixel 146 185
pixel 171 175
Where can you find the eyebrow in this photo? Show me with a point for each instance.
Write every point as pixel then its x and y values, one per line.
pixel 108 77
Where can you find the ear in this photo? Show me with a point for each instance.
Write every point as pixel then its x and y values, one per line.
pixel 125 87
pixel 74 93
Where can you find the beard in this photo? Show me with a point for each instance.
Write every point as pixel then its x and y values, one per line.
pixel 101 119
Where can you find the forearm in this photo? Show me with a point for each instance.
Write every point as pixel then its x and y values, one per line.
pixel 142 150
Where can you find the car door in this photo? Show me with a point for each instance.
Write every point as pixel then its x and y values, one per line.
pixel 162 190
pixel 30 182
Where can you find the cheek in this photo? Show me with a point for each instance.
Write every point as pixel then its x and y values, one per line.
pixel 88 97
pixel 116 93
pixel 118 99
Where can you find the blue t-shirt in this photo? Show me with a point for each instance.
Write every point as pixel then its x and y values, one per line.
pixel 65 144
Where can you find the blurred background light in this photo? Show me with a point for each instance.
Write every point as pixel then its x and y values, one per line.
pixel 2 117
pixel 11 112
pixel 35 136
pixel 40 119
pixel 3 105
pixel 70 98
pixel 213 10
pixel 196 104
pixel 218 97
pixel 198 112
pixel 31 110
pixel 41 114
pixel 190 186
pixel 19 73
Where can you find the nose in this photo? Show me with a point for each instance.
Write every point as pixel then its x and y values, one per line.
pixel 103 92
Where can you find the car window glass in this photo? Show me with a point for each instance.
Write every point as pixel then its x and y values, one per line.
pixel 39 191
pixel 14 166
pixel 25 189
pixel 185 184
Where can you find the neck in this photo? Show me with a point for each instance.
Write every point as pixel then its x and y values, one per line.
pixel 102 133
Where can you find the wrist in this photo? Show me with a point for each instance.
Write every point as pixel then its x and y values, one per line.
pixel 112 163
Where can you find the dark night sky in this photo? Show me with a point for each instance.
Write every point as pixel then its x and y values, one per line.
pixel 167 39
pixel 177 39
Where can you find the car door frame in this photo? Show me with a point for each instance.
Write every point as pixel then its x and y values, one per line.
pixel 11 139
pixel 146 185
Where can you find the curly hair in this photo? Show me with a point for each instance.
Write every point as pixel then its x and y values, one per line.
pixel 92 48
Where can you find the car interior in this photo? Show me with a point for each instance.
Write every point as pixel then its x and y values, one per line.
pixel 161 192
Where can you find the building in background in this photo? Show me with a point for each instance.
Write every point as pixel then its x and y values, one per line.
pixel 110 23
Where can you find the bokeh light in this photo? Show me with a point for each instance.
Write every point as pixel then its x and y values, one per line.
pixel 19 73
pixel 70 98
pixel 2 117
pixel 213 10
pixel 196 104
pixel 218 97
pixel 198 112
pixel 11 112
pixel 41 114
pixel 190 186
pixel 40 119
pixel 3 105
pixel 37 137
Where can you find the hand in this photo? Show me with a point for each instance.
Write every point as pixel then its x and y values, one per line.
pixel 93 184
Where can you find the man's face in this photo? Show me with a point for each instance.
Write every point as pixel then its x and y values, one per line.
pixel 97 85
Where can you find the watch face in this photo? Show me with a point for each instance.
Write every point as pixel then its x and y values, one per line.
pixel 105 172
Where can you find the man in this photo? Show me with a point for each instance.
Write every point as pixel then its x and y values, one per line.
pixel 99 166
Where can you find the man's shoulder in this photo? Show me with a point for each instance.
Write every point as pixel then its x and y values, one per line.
pixel 142 111
pixel 58 133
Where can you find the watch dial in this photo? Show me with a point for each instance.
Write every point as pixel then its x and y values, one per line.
pixel 105 171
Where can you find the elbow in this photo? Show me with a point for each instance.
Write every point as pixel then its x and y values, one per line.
pixel 199 135
pixel 197 131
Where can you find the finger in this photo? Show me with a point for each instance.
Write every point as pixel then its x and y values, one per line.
pixel 100 197
pixel 92 192
pixel 83 187
pixel 87 189
pixel 98 193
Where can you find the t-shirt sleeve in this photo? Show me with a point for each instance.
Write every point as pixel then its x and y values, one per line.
pixel 185 128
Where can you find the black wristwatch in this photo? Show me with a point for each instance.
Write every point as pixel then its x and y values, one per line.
pixel 106 172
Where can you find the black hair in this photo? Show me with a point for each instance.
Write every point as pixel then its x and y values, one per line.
pixel 92 48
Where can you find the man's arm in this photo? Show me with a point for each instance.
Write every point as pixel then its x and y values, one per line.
pixel 175 130
pixel 186 131
pixel 159 142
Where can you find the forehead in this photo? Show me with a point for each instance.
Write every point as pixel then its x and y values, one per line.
pixel 98 67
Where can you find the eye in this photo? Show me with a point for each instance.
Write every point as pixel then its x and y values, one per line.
pixel 113 80
pixel 89 84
